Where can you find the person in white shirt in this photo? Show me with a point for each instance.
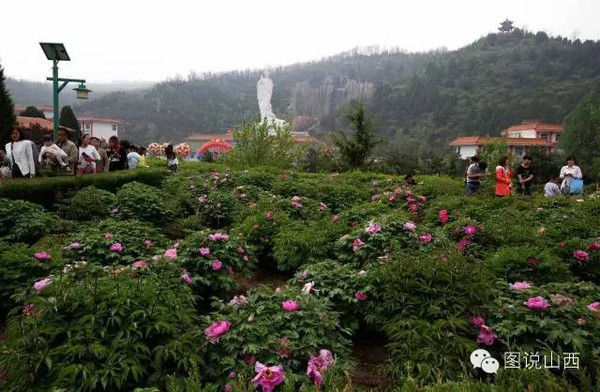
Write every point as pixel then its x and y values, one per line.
pixel 20 154
pixel 133 158
pixel 568 173
pixel 88 155
pixel 551 188
pixel 60 156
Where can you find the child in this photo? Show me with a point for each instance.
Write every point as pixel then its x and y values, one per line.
pixel 142 152
pixel 410 179
pixel 133 158
pixel 551 188
pixel 172 161
pixel 51 147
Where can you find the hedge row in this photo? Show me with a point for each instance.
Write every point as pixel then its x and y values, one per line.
pixel 48 190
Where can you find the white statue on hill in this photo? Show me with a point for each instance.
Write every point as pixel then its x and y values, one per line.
pixel 264 92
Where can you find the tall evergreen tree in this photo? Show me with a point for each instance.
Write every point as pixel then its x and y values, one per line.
pixel 356 150
pixel 7 115
pixel 581 135
pixel 68 119
pixel 32 111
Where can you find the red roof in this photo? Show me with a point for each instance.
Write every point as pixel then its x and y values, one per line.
pixel 98 119
pixel 536 126
pixel 513 141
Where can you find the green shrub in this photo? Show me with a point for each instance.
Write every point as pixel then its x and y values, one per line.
pixel 145 203
pixel 218 209
pixel 22 221
pixel 89 203
pixel 262 331
pixel 93 330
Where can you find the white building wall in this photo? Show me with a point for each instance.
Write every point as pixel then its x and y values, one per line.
pixel 529 134
pixel 101 130
pixel 466 152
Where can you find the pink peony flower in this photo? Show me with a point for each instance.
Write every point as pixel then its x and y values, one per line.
pixel 308 287
pixel 239 300
pixel 409 226
pixel 304 274
pixel 476 321
pixel 422 198
pixel 289 305
pixel 392 198
pixel 42 256
pixel 375 197
pixel 470 230
pixel 217 265
pixel 581 321
pixel 269 215
pixel 227 388
pixel 108 235
pixel 202 200
pixel 594 246
pixel 373 228
pixel 561 300
pixel 216 330
pixel 413 207
pixel 533 262
pixel 278 289
pixel 538 303
pixel 425 238
pixel 218 237
pixel 486 335
pixel 268 377
pixel 317 366
pixel 148 243
pixel 334 218
pixel 581 255
pixel 241 250
pixel 361 295
pixel 463 244
pixel 322 206
pixel 41 284
pixel 116 247
pixel 443 216
pixel 204 251
pixel 171 254
pixel 115 211
pixel 140 264
pixel 28 310
pixel 543 230
pixel 186 278
pixel 75 245
pixel 520 286
pixel 594 307
pixel 357 244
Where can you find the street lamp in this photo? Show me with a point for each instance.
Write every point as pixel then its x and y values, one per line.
pixel 57 52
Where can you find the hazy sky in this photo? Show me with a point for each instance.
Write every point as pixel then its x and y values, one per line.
pixel 111 40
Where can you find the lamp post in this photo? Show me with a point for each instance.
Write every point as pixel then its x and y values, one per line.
pixel 56 52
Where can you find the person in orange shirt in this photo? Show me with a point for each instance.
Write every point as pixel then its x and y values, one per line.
pixel 503 181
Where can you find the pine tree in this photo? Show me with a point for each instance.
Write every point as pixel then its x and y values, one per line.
pixel 7 115
pixel 68 119
pixel 581 135
pixel 32 111
pixel 355 150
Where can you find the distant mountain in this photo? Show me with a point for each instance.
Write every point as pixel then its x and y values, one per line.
pixel 420 100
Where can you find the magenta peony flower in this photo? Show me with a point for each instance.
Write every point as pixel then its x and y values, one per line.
pixel 116 247
pixel 561 300
pixel 581 255
pixel 594 307
pixel 375 197
pixel 204 251
pixel 216 330
pixel 476 321
pixel 269 215
pixel 148 243
pixel 537 303
pixel 217 265
pixel 443 216
pixel 42 256
pixel 373 228
pixel 108 235
pixel 520 286
pixel 357 244
pixel 594 246
pixel 409 226
pixel 218 237
pixel 227 388
pixel 317 366
pixel 463 244
pixel 413 207
pixel 171 254
pixel 410 200
pixel 140 264
pixel 232 375
pixel 268 377
pixel 361 295
pixel 425 238
pixel 186 278
pixel 486 335
pixel 41 284
pixel 470 230
pixel 289 305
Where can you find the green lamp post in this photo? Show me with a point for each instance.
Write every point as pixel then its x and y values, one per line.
pixel 56 52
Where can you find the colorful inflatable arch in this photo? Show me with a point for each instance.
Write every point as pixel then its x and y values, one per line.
pixel 215 147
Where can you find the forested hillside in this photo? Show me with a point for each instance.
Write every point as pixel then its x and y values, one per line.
pixel 420 100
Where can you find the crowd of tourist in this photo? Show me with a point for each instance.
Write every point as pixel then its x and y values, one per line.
pixel 22 158
pixel 568 182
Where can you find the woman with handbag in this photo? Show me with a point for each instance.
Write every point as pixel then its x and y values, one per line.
pixel 20 153
pixel 569 173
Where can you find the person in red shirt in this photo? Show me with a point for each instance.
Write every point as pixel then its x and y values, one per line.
pixel 503 181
